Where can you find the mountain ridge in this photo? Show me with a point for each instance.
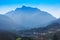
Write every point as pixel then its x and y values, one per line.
pixel 28 16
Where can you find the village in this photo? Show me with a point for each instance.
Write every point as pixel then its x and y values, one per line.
pixel 40 36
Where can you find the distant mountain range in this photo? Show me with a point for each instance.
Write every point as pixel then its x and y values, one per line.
pixel 28 17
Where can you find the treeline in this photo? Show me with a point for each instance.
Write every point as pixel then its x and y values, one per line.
pixel 5 35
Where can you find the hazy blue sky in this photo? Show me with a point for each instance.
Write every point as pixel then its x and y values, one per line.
pixel 51 6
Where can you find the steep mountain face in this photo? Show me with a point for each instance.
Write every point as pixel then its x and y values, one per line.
pixel 30 17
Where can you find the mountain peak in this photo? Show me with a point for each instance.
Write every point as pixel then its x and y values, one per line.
pixel 26 8
pixel 23 6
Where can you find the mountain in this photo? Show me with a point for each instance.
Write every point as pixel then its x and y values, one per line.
pixel 29 17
